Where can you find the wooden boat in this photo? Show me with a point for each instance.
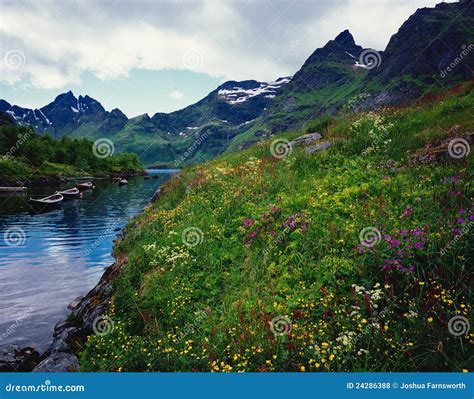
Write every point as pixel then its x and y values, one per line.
pixel 11 189
pixel 71 193
pixel 84 186
pixel 51 201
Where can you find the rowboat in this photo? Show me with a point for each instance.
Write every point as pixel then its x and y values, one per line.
pixel 47 202
pixel 84 186
pixel 11 189
pixel 71 193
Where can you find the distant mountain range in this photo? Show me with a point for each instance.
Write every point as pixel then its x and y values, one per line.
pixel 432 51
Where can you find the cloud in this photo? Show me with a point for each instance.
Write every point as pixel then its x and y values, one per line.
pixel 175 94
pixel 229 40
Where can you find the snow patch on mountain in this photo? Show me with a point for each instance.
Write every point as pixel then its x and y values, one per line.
pixel 237 94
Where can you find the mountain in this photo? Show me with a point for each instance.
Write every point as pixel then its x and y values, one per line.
pixel 161 138
pixel 432 51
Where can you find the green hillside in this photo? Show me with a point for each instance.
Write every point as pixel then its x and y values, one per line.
pixel 352 259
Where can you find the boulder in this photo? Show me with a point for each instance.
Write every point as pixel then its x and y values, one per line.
pixel 18 359
pixel 306 139
pixel 58 362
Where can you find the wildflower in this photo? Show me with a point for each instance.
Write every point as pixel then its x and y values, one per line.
pixel 429 319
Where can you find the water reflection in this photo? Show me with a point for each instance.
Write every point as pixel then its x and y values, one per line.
pixel 62 253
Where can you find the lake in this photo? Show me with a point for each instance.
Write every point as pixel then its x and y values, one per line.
pixel 47 260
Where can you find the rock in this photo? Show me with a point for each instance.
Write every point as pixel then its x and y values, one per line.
pixel 58 362
pixel 74 303
pixel 306 139
pixel 318 147
pixel 156 195
pixel 16 359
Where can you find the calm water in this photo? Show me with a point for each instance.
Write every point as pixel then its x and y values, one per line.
pixel 61 254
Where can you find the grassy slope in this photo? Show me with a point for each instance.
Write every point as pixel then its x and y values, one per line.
pixel 280 238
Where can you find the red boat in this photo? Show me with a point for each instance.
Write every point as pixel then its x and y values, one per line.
pixel 84 186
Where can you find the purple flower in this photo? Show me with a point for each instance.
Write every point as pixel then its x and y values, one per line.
pixel 418 245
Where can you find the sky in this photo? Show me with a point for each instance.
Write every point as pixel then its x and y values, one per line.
pixel 145 56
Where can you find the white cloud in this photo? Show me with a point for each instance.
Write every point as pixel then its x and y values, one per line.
pixel 230 40
pixel 175 94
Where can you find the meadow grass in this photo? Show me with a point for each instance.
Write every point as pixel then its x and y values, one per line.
pixel 358 258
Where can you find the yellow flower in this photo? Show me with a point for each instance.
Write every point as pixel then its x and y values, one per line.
pixel 331 357
pixel 364 321
pixel 429 319
pixel 302 368
pixel 465 370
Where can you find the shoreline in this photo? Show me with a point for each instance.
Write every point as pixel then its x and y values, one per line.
pixel 58 179
pixel 70 334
